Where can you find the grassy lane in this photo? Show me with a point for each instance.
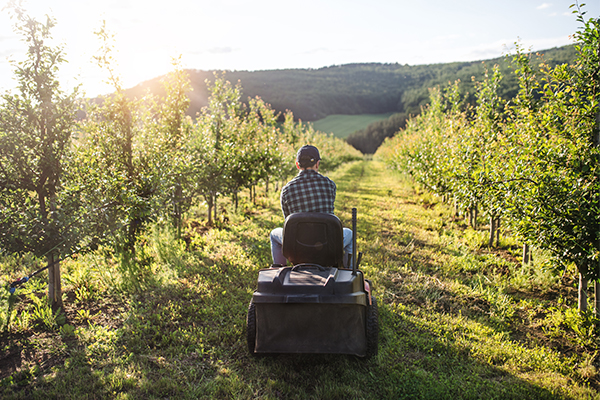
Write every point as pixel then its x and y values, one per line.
pixel 457 321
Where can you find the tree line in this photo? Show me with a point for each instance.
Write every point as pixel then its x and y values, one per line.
pixel 76 174
pixel 369 139
pixel 531 161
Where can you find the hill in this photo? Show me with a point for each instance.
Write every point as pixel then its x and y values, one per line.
pixel 353 89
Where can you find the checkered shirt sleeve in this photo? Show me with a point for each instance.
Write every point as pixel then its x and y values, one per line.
pixel 309 191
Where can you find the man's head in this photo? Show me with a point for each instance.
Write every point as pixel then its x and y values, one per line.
pixel 307 156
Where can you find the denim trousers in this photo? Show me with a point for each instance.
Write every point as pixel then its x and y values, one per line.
pixel 277 246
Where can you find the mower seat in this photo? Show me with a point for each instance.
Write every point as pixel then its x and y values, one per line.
pixel 313 238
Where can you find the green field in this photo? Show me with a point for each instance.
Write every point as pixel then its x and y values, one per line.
pixel 343 125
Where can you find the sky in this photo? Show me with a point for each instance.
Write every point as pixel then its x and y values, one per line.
pixel 279 34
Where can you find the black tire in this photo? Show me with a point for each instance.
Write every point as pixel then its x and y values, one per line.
pixel 251 328
pixel 372 329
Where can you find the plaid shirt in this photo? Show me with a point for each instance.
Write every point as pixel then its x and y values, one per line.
pixel 309 191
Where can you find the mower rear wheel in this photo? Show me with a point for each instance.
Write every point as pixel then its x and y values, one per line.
pixel 251 328
pixel 372 328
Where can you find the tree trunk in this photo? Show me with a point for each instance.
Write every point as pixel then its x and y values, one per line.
pixel 597 280
pixel 177 217
pixel 215 208
pixel 498 232
pixel 582 303
pixel 596 298
pixel 526 254
pixel 54 286
pixel 209 204
pixel 456 212
pixel 473 214
pixel 492 231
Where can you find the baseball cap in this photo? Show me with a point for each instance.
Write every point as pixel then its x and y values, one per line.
pixel 307 156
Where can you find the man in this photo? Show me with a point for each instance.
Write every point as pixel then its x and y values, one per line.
pixel 309 191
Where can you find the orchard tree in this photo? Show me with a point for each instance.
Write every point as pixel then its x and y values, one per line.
pixel 37 212
pixel 168 127
pixel 491 164
pixel 130 158
pixel 554 135
pixel 422 154
pixel 212 141
pixel 111 151
pixel 541 158
pixel 260 139
pixel 587 72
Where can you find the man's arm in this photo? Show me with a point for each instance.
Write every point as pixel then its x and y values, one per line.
pixel 283 200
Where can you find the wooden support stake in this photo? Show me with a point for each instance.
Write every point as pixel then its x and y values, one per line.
pixel 54 286
pixel 582 303
pixel 597 298
pixel 526 254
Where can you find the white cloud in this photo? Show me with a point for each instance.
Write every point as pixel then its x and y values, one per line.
pixel 543 6
pixel 550 42
pixel 220 50
pixel 318 50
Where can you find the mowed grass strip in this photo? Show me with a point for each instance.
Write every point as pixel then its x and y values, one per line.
pixel 448 322
pixel 450 325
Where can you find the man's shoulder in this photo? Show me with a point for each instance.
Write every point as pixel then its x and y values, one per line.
pixel 308 178
pixel 326 179
pixel 319 176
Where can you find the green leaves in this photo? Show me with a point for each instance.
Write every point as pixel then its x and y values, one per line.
pixel 534 160
pixel 36 125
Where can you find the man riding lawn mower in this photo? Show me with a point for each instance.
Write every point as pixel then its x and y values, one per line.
pixel 321 303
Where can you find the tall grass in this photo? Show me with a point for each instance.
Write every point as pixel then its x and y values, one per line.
pixel 457 320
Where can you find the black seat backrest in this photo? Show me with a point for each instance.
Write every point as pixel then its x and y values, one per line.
pixel 315 238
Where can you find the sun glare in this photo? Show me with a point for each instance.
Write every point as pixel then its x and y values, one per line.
pixel 270 34
pixel 140 53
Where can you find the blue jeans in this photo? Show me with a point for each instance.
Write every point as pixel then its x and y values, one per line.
pixel 277 246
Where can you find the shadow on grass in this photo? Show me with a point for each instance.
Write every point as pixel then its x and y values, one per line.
pixel 413 363
pixel 44 364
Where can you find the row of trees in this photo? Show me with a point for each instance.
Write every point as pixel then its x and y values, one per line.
pixel 68 184
pixel 532 161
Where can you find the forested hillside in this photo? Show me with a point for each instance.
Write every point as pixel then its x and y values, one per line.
pixel 373 88
pixel 353 89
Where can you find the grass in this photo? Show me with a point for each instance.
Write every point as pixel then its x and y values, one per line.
pixel 343 125
pixel 458 320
